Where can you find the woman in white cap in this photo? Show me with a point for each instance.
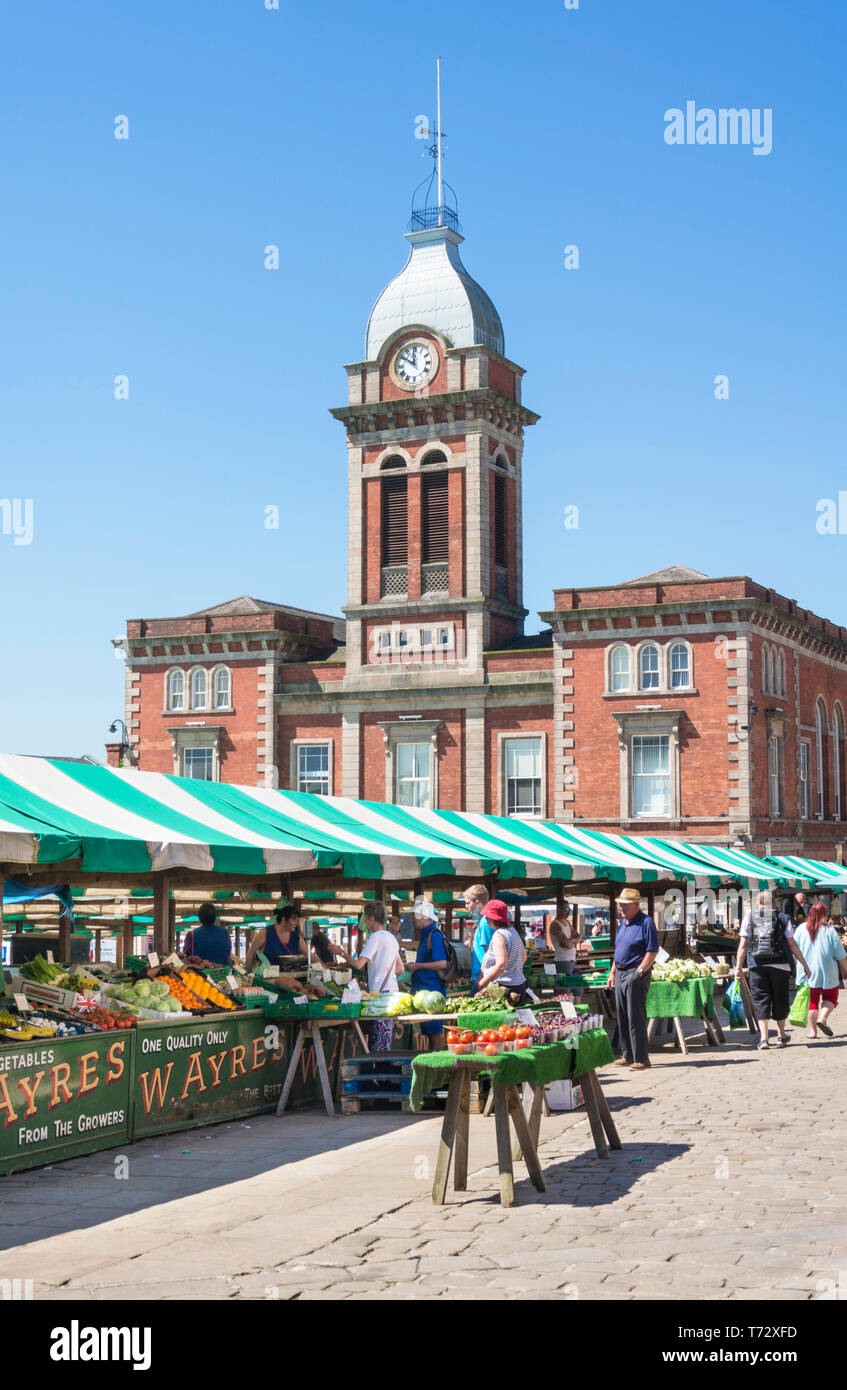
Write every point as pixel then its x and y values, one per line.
pixel 429 965
pixel 636 948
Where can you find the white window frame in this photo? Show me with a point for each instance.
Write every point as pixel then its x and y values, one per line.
pixel 821 729
pixel 652 815
pixel 216 671
pixel 198 670
pixel 208 737
pixel 775 781
pixel 783 688
pixel 417 781
pixel 804 763
pixel 511 736
pixel 645 647
pixel 689 660
pixel 612 674
pixel 837 736
pixel 664 723
pixel 421 643
pixel 169 705
pixel 296 745
pixel 395 732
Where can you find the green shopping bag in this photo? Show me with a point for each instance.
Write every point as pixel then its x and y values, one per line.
pixel 800 1007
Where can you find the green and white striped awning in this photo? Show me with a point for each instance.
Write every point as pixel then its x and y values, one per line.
pixel 816 873
pixel 131 823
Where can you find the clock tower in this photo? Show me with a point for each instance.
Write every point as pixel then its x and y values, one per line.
pixel 435 429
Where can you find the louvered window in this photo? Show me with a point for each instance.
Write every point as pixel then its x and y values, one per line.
pixel 435 532
pixel 500 556
pixel 394 521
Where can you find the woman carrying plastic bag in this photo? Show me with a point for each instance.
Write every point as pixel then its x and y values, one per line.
pixel 819 942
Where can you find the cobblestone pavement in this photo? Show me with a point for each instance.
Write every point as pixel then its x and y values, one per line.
pixel 726 1187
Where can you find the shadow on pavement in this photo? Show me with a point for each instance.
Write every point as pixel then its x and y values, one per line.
pixel 586 1181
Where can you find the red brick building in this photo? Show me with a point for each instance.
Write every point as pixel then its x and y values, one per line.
pixel 705 708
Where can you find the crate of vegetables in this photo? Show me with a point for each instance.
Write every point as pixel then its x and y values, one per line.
pixel 489 1042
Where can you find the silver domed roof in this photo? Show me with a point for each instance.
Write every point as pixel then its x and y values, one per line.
pixel 434 290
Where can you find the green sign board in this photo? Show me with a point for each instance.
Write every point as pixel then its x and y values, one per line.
pixel 64 1098
pixel 59 1099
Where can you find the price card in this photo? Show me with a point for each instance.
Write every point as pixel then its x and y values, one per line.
pixel 238 967
pixel 326 975
pixel 301 999
pixel 569 1009
pixel 22 1003
pixel 232 982
pixel 550 970
pixel 662 955
pixel 153 958
pixel 50 960
pixel 534 997
pixel 527 1016
pixel 271 972
pixel 710 960
pixel 174 960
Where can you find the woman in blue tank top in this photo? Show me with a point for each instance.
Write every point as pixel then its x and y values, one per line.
pixel 279 939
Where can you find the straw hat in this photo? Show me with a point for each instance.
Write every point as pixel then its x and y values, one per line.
pixel 629 895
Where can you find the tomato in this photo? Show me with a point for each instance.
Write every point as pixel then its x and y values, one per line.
pixel 485 1036
pixel 466 1038
pixel 522 1042
pixel 490 1050
pixel 452 1036
pixel 461 1048
pixel 508 1035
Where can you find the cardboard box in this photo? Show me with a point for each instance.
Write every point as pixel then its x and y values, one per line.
pixel 563 1095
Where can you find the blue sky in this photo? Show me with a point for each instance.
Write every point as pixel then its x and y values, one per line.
pixel 295 127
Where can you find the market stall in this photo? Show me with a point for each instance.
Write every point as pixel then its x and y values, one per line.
pixel 576 1053
pixel 683 989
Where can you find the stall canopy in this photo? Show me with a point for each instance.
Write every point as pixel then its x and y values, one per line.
pixel 819 873
pixel 124 822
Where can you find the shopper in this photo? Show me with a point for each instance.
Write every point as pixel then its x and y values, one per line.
pixel 429 966
pixel 279 939
pixel 208 942
pixel 796 908
pixel 636 948
pixel 503 963
pixel 767 941
pixel 475 899
pixel 380 956
pixel 562 939
pixel 818 941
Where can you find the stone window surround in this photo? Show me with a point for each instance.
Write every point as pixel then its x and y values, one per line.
pixel 664 687
pixel 663 722
pixel 396 731
pixel 187 673
pixel 310 743
pixel 209 736
pixel 513 735
pixel 776 725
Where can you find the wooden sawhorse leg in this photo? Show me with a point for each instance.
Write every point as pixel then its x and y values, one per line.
pixel 463 1118
pixel 292 1069
pixel 680 1037
pixel 595 1121
pixel 591 1081
pixel 448 1136
pixel 524 1138
pixel 504 1147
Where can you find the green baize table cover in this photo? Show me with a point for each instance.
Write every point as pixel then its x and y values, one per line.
pixel 668 1000
pixel 551 1062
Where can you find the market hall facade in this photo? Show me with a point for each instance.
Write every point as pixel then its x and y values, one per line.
pixel 673 704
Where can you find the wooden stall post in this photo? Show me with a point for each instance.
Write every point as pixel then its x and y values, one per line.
pixel 448 921
pixel 126 941
pixel 613 915
pixel 2 888
pixel 98 943
pixel 651 902
pixel 161 914
pixel 171 944
pixel 64 935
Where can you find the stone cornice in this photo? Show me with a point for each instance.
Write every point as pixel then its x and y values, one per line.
pixel 481 405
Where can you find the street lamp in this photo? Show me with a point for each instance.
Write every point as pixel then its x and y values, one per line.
pixel 124 744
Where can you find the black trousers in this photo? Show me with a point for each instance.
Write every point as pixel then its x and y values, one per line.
pixel 631 1001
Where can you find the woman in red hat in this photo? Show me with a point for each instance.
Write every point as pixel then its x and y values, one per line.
pixel 503 963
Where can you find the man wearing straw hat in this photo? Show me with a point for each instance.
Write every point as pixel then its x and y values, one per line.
pixel 636 947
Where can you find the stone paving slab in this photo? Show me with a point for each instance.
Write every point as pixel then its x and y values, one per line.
pixel 718 1193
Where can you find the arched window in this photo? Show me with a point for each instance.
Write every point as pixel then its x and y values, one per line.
pixel 176 690
pixel 619 677
pixel 648 667
pixel 198 688
pixel 222 688
pixel 837 759
pixel 501 461
pixel 781 687
pixel 680 666
pixel 433 456
pixel 393 461
pixel 770 685
pixel 820 741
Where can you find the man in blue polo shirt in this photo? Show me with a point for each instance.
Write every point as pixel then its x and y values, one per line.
pixel 636 947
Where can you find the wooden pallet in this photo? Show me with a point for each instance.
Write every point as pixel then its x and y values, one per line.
pixel 352 1105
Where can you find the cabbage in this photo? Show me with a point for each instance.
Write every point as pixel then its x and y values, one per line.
pixel 159 987
pixel 429 1001
pixel 143 990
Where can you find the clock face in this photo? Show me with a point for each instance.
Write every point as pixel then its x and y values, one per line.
pixel 414 364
